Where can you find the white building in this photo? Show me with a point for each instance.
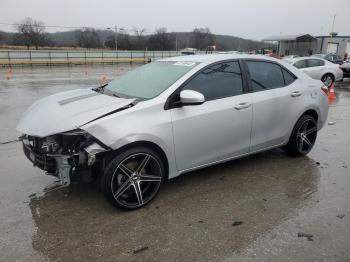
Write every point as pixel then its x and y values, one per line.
pixel 307 44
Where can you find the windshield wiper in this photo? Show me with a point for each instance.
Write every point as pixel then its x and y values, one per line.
pixel 99 89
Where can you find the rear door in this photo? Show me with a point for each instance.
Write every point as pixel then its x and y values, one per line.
pixel 276 96
pixel 220 127
pixel 314 68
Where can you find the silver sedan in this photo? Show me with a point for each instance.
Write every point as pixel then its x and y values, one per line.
pixel 318 68
pixel 172 116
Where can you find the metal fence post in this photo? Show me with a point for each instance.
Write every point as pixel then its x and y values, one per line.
pixel 67 58
pixel 8 57
pixel 130 57
pixel 85 56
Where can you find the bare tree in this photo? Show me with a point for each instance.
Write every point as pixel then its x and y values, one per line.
pixel 124 42
pixel 202 38
pixel 31 32
pixel 161 40
pixel 140 38
pixel 88 38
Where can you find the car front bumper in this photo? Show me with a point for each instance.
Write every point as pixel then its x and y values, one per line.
pixel 61 165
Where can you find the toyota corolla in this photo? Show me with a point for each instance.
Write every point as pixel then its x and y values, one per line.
pixel 172 116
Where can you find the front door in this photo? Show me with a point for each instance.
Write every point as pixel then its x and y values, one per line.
pixel 219 128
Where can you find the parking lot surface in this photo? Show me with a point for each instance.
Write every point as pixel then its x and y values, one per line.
pixel 266 207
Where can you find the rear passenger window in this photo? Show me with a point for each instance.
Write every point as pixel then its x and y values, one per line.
pixel 300 64
pixel 218 81
pixel 265 75
pixel 314 62
pixel 288 77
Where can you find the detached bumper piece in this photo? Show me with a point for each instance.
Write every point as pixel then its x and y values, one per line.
pixel 63 154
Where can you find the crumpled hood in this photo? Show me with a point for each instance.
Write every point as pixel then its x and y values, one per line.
pixel 67 111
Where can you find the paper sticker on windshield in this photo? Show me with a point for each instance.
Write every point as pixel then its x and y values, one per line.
pixel 185 63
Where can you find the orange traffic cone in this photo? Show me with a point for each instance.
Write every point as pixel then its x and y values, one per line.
pixel 331 94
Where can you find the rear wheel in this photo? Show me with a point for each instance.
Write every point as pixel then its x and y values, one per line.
pixel 328 80
pixel 303 136
pixel 133 178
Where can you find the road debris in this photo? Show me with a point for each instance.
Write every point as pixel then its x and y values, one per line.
pixel 140 250
pixel 331 123
pixel 341 216
pixel 237 223
pixel 308 236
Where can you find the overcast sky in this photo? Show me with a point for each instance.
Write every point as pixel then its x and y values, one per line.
pixel 254 19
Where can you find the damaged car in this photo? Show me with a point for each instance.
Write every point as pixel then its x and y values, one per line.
pixel 170 117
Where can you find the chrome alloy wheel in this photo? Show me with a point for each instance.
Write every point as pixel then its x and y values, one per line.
pixel 136 180
pixel 306 136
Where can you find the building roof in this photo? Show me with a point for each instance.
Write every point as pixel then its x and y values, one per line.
pixel 337 36
pixel 304 37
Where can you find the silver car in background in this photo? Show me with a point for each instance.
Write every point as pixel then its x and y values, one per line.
pixel 172 116
pixel 318 68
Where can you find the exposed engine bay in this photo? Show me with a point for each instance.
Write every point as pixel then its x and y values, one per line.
pixel 63 154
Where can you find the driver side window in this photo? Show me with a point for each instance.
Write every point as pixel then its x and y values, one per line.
pixel 218 81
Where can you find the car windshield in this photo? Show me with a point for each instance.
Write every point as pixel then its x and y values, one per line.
pixel 150 80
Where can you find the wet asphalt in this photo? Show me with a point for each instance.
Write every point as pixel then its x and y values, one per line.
pixel 266 207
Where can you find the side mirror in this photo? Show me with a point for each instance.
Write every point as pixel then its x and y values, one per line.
pixel 191 97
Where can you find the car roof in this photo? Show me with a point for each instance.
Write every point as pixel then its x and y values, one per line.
pixel 212 58
pixel 293 60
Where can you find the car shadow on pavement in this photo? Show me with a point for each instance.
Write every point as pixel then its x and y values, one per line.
pixel 201 215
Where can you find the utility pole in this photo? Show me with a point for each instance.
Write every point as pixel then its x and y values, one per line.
pixel 175 42
pixel 333 22
pixel 116 38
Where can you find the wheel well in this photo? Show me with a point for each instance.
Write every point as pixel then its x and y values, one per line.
pixel 328 74
pixel 147 144
pixel 311 112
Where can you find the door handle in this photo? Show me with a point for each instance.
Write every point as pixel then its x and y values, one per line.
pixel 243 105
pixel 296 94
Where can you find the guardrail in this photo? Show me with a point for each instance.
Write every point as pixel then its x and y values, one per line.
pixel 53 57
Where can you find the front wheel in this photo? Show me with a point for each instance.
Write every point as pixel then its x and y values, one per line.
pixel 303 136
pixel 133 178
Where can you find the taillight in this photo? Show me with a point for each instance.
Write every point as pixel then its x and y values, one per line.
pixel 324 89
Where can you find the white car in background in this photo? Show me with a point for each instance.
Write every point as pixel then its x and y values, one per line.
pixel 346 68
pixel 318 68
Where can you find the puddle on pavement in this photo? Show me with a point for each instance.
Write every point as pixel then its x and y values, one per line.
pixel 191 211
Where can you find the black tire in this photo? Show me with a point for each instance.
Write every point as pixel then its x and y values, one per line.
pixel 327 79
pixel 125 186
pixel 303 136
